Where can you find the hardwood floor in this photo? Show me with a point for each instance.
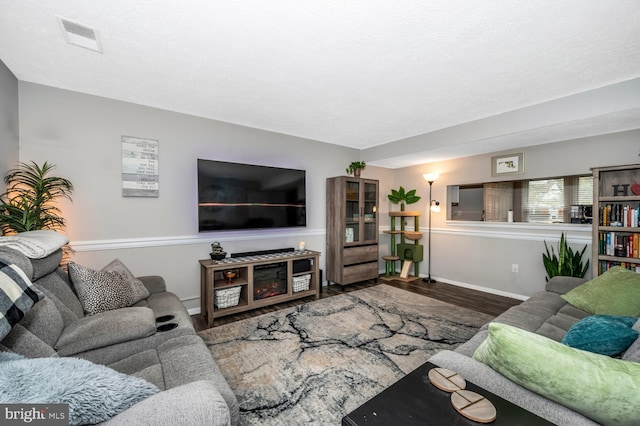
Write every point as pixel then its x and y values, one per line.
pixel 472 299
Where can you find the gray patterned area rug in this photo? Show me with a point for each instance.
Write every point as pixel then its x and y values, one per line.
pixel 314 363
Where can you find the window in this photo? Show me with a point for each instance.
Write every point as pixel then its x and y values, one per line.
pixel 554 200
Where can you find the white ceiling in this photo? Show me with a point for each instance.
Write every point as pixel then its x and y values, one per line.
pixel 355 73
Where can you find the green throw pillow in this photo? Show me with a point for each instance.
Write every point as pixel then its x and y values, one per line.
pixel 602 334
pixel 616 292
pixel 601 388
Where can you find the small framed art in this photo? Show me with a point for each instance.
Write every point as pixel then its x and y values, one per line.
pixel 509 164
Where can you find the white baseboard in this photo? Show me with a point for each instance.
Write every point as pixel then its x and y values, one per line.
pixel 483 289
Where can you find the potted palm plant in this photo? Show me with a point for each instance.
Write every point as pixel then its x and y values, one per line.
pixel 29 202
pixel 401 196
pixel 356 167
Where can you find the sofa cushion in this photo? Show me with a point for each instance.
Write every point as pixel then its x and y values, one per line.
pixel 9 255
pixel 616 292
pixel 105 329
pixel 17 296
pixel 24 342
pixel 99 291
pixel 138 289
pixel 602 334
pixel 602 388
pixel 561 284
pixel 95 393
pixel 58 288
pixel 46 265
pixel 633 353
pixel 44 321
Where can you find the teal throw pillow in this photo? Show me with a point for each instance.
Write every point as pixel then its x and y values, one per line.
pixel 597 386
pixel 616 292
pixel 602 334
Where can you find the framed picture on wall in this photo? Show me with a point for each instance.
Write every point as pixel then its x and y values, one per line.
pixel 509 164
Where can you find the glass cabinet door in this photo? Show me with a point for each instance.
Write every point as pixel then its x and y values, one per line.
pixel 352 212
pixel 370 209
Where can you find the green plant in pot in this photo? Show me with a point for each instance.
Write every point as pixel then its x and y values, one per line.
pixel 566 263
pixel 356 167
pixel 403 197
pixel 29 202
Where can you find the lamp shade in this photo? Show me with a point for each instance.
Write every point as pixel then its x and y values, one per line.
pixel 431 177
pixel 435 206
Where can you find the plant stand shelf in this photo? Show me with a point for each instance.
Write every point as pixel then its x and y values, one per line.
pixel 403 251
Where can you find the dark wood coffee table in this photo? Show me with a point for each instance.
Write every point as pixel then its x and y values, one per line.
pixel 413 400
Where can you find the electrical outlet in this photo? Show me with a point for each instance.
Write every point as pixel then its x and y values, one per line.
pixel 514 268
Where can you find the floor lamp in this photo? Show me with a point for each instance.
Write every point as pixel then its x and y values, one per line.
pixel 434 206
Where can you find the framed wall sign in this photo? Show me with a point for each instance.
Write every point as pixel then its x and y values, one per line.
pixel 139 167
pixel 509 164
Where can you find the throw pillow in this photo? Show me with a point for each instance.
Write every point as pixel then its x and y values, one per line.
pixel 633 353
pixel 95 393
pixel 17 296
pixel 602 334
pixel 599 387
pixel 616 292
pixel 99 291
pixel 138 289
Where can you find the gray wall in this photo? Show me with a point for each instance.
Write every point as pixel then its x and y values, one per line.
pixel 9 135
pixel 81 134
pixel 482 254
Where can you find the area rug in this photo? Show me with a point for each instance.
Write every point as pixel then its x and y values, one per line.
pixel 314 363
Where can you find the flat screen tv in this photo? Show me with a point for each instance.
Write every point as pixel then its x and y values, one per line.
pixel 233 196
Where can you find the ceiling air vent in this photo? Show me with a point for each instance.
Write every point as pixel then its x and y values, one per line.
pixel 80 35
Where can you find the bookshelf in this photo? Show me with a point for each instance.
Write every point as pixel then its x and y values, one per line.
pixel 616 233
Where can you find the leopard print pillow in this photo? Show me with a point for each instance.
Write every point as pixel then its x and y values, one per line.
pixel 99 291
pixel 138 290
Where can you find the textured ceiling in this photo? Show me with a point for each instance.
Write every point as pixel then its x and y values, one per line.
pixel 355 73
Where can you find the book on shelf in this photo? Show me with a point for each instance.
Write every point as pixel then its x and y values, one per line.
pixel 605 265
pixel 619 244
pixel 619 215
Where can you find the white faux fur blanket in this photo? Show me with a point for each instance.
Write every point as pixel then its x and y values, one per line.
pixel 35 244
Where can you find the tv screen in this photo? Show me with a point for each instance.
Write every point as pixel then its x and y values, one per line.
pixel 246 196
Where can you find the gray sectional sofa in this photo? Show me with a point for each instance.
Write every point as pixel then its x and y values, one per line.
pixel 545 313
pixel 192 390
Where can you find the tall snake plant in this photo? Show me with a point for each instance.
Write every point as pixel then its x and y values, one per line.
pixel 566 262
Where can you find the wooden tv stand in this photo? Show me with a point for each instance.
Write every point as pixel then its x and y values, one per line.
pixel 252 293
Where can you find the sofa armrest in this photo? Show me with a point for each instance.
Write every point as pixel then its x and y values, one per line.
pixel 106 328
pixel 154 283
pixel 196 403
pixel 562 285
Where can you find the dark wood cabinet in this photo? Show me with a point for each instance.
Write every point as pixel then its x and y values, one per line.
pixel 352 229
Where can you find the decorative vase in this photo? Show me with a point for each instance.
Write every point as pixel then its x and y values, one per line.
pixel 356 173
pixel 230 275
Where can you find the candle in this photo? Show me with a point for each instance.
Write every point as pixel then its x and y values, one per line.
pixel 301 245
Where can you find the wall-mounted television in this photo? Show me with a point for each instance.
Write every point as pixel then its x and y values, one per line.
pixel 233 196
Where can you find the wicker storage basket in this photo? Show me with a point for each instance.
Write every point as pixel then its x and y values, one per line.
pixel 301 283
pixel 227 297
